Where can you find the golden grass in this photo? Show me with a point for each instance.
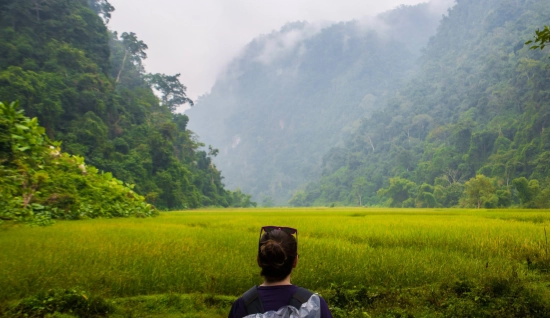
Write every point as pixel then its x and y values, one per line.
pixel 213 251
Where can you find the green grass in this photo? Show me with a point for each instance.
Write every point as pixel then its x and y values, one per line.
pixel 213 252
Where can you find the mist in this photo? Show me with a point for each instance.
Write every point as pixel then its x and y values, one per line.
pixel 199 38
pixel 291 94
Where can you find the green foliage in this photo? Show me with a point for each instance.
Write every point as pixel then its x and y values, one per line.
pixel 172 91
pixel 526 190
pixel 39 182
pixel 134 52
pixel 88 88
pixel 542 38
pixel 491 297
pixel 276 112
pixel 298 199
pixel 241 200
pixel 66 301
pixel 425 197
pixel 268 203
pixel 478 192
pixel 478 105
pixel 399 193
pixel 424 263
pixel 532 193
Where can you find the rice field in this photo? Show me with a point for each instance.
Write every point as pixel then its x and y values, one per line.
pixel 214 251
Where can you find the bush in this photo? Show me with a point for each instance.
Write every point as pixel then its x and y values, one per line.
pixel 67 301
pixel 39 183
pixel 492 297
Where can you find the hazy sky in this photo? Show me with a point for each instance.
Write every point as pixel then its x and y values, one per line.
pixel 197 38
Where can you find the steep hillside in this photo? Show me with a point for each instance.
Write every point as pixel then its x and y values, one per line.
pixel 294 93
pixel 479 104
pixel 39 183
pixel 88 87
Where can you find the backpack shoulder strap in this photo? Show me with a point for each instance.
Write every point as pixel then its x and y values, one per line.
pixel 301 296
pixel 252 301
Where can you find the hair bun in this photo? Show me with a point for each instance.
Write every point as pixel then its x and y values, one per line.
pixel 274 256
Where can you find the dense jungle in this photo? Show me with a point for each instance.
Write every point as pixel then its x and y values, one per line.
pixel 88 89
pixel 370 113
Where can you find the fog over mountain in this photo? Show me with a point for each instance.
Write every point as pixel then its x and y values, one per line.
pixel 473 117
pixel 294 93
pixel 199 38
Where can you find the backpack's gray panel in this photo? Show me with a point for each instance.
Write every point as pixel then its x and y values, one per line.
pixel 309 309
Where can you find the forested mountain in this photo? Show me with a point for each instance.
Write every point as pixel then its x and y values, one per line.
pixel 88 87
pixel 293 94
pixel 478 109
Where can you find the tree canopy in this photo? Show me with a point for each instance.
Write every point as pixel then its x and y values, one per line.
pixel 477 109
pixel 39 182
pixel 88 88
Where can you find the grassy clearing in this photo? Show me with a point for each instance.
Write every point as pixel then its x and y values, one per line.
pixel 213 251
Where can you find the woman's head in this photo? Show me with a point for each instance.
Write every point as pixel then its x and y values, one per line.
pixel 277 254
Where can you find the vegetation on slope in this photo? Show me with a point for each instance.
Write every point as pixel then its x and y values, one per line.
pixel 88 88
pixel 478 108
pixel 291 94
pixel 39 183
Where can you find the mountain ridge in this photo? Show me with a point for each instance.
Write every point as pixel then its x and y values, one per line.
pixel 264 115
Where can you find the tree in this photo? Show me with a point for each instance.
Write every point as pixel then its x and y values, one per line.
pixel 358 188
pixel 298 199
pixel 478 190
pixel 399 191
pixel 241 200
pixel 213 152
pixel 542 38
pixel 171 89
pixel 103 8
pixel 268 202
pixel 425 197
pixel 38 182
pixel 133 48
pixel 448 195
pixel 38 6
pixel 60 61
pixel 527 191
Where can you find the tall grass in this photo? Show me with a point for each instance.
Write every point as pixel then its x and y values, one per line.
pixel 214 251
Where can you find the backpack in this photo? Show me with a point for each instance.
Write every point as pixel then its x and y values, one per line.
pixel 254 304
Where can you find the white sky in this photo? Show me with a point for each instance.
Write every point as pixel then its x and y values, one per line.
pixel 197 38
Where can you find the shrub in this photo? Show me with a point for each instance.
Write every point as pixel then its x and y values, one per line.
pixel 39 183
pixel 67 301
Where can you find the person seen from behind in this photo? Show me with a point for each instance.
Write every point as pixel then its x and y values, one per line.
pixel 277 257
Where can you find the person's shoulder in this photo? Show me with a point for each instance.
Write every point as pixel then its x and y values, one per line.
pixel 303 289
pixel 325 311
pixel 238 309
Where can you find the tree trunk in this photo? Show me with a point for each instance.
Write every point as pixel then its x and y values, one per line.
pixel 371 144
pixel 122 66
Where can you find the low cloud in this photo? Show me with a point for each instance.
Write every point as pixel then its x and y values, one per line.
pixel 281 44
pixel 441 6
pixel 199 38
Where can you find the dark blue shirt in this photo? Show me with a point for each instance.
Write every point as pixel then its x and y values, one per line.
pixel 273 298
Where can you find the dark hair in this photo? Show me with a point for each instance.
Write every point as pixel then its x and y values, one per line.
pixel 276 255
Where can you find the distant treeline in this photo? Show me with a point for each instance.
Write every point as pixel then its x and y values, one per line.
pixel 478 192
pixel 88 87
